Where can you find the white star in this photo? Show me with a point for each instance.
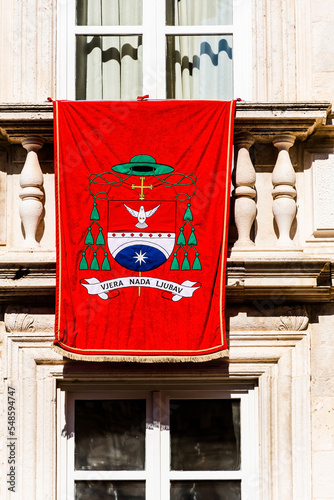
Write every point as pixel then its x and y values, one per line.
pixel 140 257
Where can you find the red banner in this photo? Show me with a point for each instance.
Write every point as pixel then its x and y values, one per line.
pixel 142 200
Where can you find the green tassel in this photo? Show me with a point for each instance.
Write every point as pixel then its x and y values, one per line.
pixel 181 239
pixel 192 238
pixel 185 263
pixel 95 214
pixel 188 215
pixel 105 264
pixel 175 264
pixel 94 265
pixel 100 238
pixel 83 263
pixel 197 263
pixel 89 238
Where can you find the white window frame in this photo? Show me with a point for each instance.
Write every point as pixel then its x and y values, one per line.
pixel 154 53
pixel 157 473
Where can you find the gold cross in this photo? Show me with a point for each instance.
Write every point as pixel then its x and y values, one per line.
pixel 142 187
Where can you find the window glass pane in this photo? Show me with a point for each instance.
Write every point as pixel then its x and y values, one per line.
pixel 116 490
pixel 198 12
pixel 110 435
pixel 108 67
pixel 205 434
pixel 199 67
pixel 205 490
pixel 109 12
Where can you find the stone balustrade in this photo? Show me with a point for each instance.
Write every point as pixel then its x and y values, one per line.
pixel 280 243
pixel 284 192
pixel 31 182
pixel 283 180
pixel 244 181
pixel 273 144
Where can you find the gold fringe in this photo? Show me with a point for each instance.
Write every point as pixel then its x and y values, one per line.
pixel 142 359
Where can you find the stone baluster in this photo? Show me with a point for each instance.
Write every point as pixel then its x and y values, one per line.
pixel 284 193
pixel 245 177
pixel 31 182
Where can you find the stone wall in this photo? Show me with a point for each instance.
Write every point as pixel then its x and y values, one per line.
pixel 322 49
pixel 280 301
pixel 322 402
pixel 292 50
pixel 27 50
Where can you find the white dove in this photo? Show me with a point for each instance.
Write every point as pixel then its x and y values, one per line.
pixel 141 215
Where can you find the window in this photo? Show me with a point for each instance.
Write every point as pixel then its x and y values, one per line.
pixel 160 445
pixel 175 49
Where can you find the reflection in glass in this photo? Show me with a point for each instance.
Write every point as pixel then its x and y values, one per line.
pixel 108 67
pixel 198 12
pixel 205 490
pixel 205 434
pixel 116 490
pixel 109 12
pixel 199 67
pixel 110 434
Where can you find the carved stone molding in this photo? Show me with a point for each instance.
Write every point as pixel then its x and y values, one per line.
pixel 30 320
pixel 254 279
pixel 261 316
pixel 264 281
pixel 293 318
pixel 279 365
pixel 262 120
pixel 3 196
pixel 265 316
pixel 19 320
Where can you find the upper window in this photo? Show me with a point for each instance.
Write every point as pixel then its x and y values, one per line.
pixel 174 49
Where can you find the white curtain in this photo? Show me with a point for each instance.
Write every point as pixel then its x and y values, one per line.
pixel 198 12
pixel 109 67
pixel 199 67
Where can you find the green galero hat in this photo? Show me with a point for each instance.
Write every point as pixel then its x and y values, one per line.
pixel 142 165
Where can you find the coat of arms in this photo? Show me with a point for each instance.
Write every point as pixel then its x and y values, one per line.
pixel 141 234
pixel 141 237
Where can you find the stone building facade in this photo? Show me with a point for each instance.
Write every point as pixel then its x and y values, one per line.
pixel 280 307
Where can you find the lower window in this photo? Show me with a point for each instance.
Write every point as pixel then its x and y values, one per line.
pixel 159 445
